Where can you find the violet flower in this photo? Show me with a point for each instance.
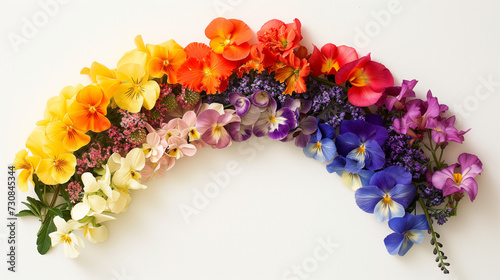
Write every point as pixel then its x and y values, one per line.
pixel 361 144
pixel 353 181
pixel 274 123
pixel 240 102
pixel 390 192
pixel 407 231
pixel 321 146
pixel 458 178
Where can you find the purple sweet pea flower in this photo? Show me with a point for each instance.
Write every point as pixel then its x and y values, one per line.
pixel 274 123
pixel 353 181
pixel 396 96
pixel 240 102
pixel 407 231
pixel 360 143
pixel 442 130
pixel 458 178
pixel 388 195
pixel 212 127
pixel 321 146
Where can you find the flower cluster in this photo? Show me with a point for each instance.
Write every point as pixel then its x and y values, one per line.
pixel 97 143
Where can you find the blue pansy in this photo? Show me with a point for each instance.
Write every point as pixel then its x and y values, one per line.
pixel 388 194
pixel 353 181
pixel 361 142
pixel 321 146
pixel 407 230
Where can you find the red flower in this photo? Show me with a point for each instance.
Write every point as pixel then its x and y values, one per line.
pixel 204 69
pixel 329 60
pixel 368 79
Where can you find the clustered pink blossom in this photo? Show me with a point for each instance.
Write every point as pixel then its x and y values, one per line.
pixel 74 189
pixel 94 157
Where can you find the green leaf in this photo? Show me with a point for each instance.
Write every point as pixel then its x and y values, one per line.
pixel 34 209
pixel 25 212
pixel 43 241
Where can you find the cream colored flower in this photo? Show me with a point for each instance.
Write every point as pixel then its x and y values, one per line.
pixel 64 234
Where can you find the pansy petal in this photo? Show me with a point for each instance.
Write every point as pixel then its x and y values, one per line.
pixel 393 242
pixel 403 194
pixel 384 211
pixel 368 197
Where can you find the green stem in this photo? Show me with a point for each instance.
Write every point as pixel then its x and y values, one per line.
pixel 328 83
pixel 433 235
pixel 52 202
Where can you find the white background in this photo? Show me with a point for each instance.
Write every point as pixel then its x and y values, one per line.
pixel 271 215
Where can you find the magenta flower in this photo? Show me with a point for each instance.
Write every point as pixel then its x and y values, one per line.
pixel 212 127
pixel 459 177
pixel 396 96
pixel 442 130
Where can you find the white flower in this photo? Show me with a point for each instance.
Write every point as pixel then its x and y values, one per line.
pixel 95 234
pixel 65 235
pixel 128 175
pixel 121 201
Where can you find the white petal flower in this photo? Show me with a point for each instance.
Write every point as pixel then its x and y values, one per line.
pixel 128 175
pixel 64 234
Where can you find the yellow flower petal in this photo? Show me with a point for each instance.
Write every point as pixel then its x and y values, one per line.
pixel 129 97
pixel 135 57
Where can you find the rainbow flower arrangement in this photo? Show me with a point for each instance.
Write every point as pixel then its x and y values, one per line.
pixel 163 102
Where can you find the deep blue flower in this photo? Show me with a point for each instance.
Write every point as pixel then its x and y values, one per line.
pixel 360 143
pixel 321 146
pixel 407 230
pixel 353 181
pixel 388 195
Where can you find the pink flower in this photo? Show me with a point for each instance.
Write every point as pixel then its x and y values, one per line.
pixel 179 147
pixel 187 126
pixel 212 126
pixel 458 178
pixel 155 146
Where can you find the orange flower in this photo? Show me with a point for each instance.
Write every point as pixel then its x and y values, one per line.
pixel 280 38
pixel 294 72
pixel 166 58
pixel 253 62
pixel 89 110
pixel 229 37
pixel 65 131
pixel 204 69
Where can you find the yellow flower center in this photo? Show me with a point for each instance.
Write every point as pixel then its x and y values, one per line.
pixel 92 109
pixel 318 145
pixel 66 239
pixel 272 119
pixel 135 175
pixel 207 71
pixel 458 178
pixel 386 200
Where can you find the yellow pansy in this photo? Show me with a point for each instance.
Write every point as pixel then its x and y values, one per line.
pixel 57 164
pixel 29 164
pixel 136 90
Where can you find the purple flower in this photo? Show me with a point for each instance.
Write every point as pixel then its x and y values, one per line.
pixel 458 178
pixel 321 146
pixel 407 231
pixel 360 143
pixel 418 115
pixel 274 123
pixel 353 181
pixel 442 130
pixel 239 132
pixel 388 195
pixel 396 96
pixel 260 98
pixel 240 103
pixel 212 127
